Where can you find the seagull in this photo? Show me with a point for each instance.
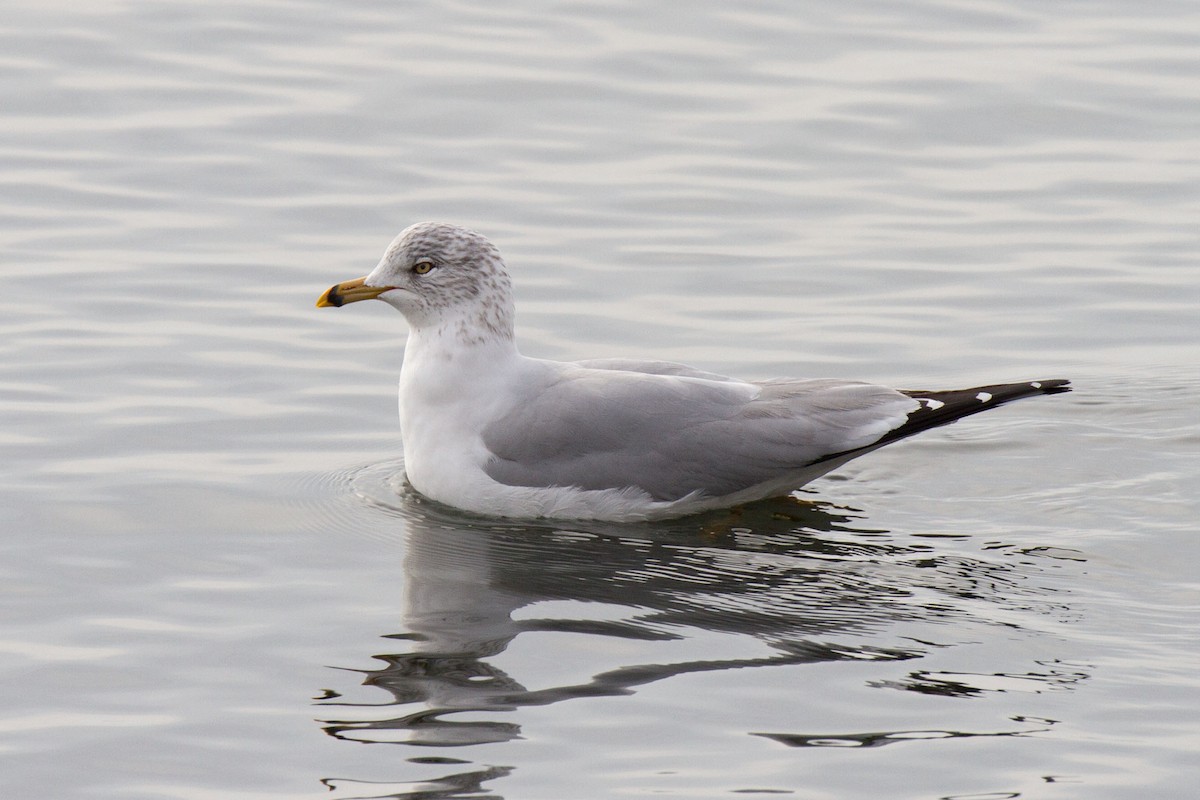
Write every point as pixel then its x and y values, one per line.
pixel 490 431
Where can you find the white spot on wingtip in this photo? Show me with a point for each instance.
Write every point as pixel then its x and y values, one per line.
pixel 930 403
pixel 1036 384
pixel 983 397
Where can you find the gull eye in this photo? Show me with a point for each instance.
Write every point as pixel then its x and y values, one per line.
pixel 423 266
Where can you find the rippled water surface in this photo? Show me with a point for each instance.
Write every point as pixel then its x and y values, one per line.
pixel 217 586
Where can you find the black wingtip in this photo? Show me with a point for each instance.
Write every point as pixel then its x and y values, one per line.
pixel 943 407
pixel 994 394
pixel 1053 386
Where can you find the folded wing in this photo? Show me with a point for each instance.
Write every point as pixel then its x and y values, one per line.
pixel 672 431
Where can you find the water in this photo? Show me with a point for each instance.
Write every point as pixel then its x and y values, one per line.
pixel 215 588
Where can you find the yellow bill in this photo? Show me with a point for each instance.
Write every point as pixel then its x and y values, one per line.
pixel 349 292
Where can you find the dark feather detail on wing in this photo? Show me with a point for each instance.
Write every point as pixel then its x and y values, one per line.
pixel 944 407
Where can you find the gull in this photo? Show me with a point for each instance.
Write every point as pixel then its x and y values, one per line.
pixel 490 431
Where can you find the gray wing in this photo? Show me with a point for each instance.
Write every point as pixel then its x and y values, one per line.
pixel 669 432
pixel 653 368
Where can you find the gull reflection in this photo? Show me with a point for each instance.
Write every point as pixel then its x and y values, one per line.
pixel 600 609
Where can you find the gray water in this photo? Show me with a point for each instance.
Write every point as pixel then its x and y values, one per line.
pixel 215 586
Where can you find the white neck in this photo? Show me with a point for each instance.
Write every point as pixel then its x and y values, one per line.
pixel 476 323
pixel 445 362
pixel 449 389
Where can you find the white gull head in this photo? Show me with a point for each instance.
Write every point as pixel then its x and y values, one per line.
pixel 444 279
